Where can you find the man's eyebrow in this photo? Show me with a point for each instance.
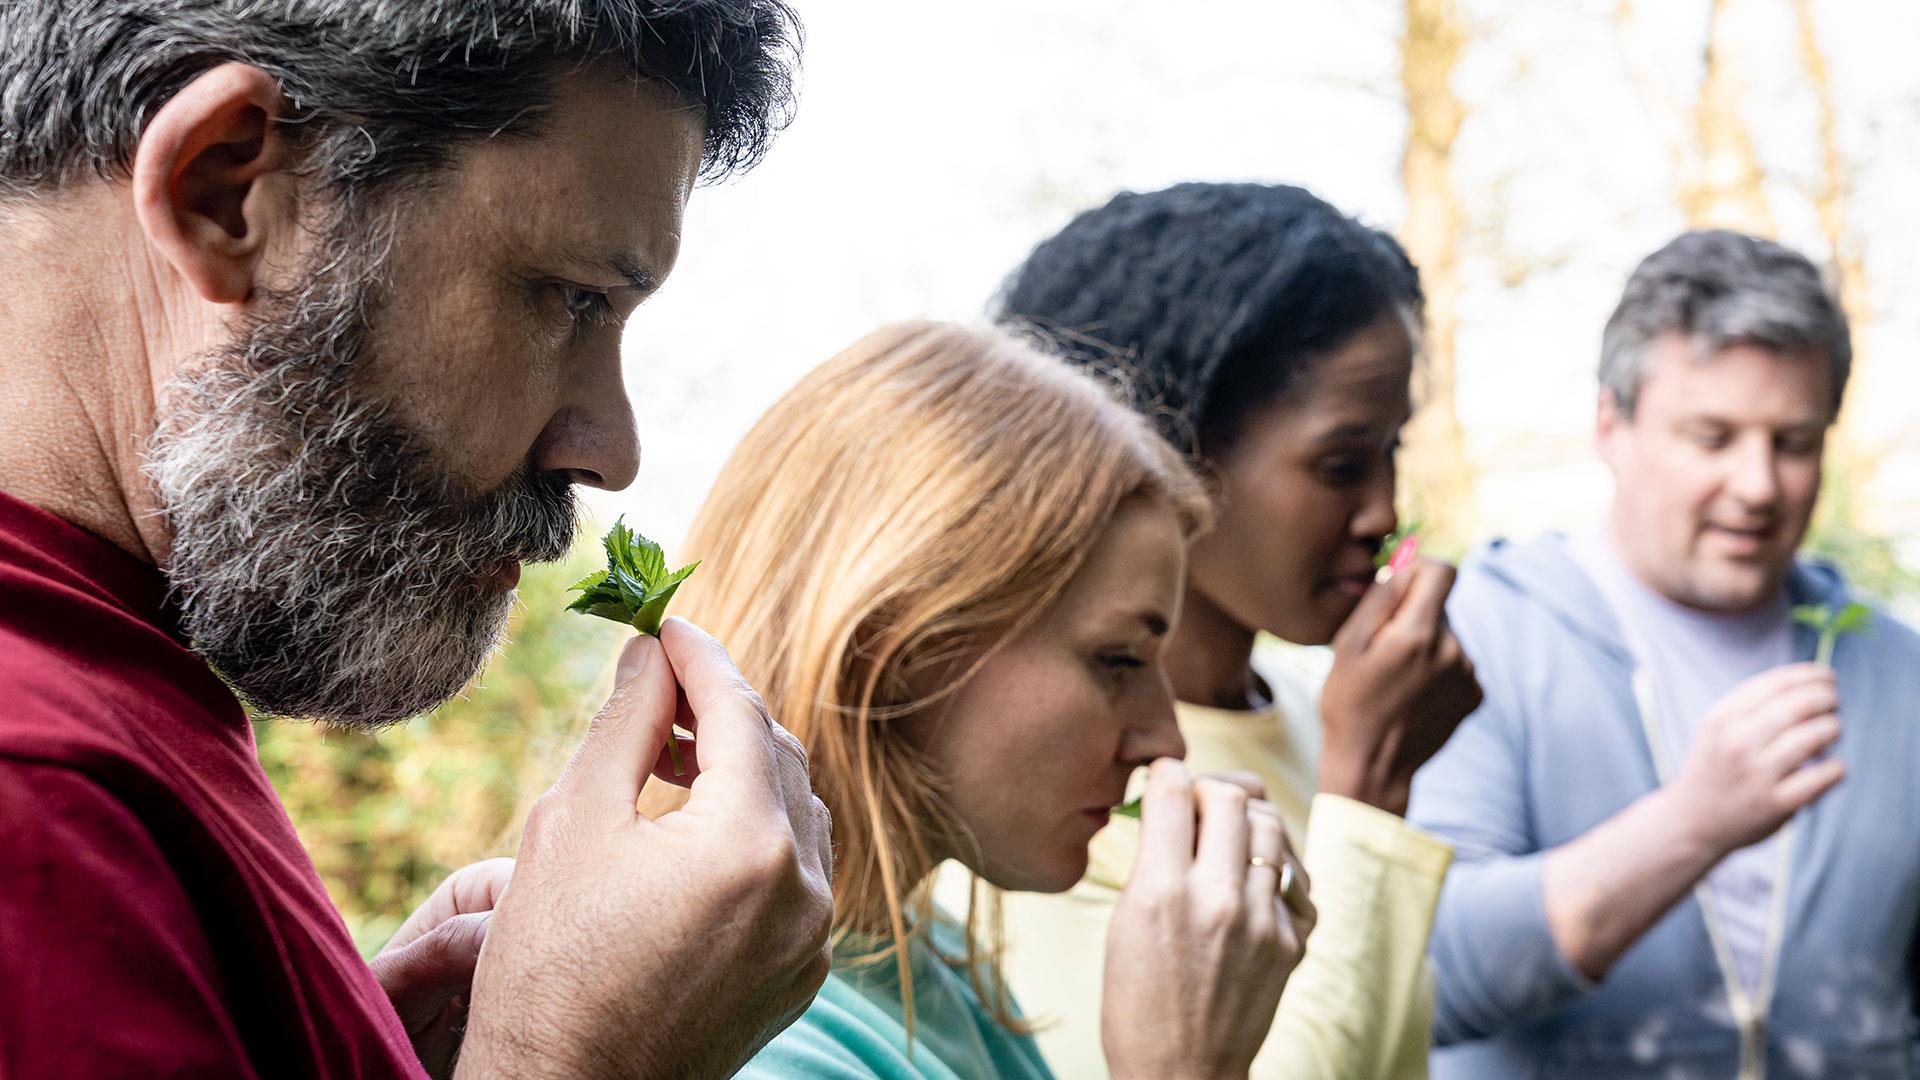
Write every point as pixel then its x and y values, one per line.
pixel 634 273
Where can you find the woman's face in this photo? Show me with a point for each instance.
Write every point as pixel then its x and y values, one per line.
pixel 1307 492
pixel 1038 746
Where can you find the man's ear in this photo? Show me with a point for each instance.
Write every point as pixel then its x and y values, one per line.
pixel 211 184
pixel 1608 419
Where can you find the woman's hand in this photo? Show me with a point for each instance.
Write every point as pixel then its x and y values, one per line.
pixel 1399 686
pixel 1202 941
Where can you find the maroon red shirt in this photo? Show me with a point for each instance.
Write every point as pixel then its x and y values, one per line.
pixel 158 916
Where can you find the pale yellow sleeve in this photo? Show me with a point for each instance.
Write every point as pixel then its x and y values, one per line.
pixel 1360 1005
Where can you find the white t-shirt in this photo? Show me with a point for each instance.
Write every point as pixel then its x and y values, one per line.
pixel 1695 658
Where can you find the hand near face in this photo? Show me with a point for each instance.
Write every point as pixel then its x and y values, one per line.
pixel 1751 763
pixel 1400 684
pixel 670 946
pixel 1202 942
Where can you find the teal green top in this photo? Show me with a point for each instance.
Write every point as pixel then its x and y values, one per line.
pixel 856 1027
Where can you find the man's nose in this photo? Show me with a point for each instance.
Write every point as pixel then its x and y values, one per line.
pixel 591 437
pixel 1755 478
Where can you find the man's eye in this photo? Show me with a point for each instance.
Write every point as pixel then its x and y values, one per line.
pixel 1800 445
pixel 587 308
pixel 1121 662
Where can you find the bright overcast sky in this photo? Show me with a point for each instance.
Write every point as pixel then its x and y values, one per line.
pixel 936 143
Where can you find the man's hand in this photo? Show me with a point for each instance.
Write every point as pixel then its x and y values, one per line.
pixel 1749 769
pixel 427 967
pixel 1751 764
pixel 1399 686
pixel 674 946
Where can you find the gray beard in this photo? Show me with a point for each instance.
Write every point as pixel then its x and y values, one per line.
pixel 324 563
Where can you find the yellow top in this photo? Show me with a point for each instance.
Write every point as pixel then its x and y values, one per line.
pixel 1359 1007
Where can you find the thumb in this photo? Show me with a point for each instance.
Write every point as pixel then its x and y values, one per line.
pixel 422 976
pixel 627 735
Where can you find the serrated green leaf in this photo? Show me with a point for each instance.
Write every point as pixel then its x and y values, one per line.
pixel 1814 615
pixel 620 612
pixel 591 581
pixel 1852 617
pixel 635 587
pixel 618 542
pixel 629 585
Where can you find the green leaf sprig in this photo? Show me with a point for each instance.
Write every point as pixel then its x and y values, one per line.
pixel 1830 624
pixel 1130 808
pixel 633 589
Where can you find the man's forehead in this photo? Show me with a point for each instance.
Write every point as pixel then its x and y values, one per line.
pixel 1687 376
pixel 605 178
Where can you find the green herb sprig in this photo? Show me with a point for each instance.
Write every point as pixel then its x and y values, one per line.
pixel 1130 808
pixel 1830 624
pixel 634 589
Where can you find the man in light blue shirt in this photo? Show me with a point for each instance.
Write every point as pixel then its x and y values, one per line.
pixel 1682 849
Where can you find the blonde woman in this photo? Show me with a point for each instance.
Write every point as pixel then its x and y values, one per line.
pixel 950 563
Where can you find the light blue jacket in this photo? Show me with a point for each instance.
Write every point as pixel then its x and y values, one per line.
pixel 1559 747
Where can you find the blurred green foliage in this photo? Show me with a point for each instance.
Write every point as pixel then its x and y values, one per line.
pixel 386 816
pixel 1870 561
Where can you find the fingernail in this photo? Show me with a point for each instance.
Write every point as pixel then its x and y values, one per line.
pixel 1403 554
pixel 632 660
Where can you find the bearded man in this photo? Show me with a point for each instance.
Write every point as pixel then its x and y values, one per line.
pixel 313 313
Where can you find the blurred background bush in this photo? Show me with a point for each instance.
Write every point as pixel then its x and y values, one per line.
pixel 387 816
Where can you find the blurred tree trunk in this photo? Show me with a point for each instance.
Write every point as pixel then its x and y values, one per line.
pixel 1437 477
pixel 1854 456
pixel 1718 179
pixel 1727 189
pixel 1832 198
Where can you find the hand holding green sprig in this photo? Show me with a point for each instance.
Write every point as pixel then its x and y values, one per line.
pixel 634 589
pixel 1830 624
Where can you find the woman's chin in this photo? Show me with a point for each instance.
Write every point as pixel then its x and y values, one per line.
pixel 1054 875
pixel 1314 623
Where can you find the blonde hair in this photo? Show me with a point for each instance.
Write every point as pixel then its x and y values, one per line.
pixel 912 503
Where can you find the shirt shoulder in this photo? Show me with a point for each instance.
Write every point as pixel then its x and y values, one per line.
pixel 841 1036
pixel 104 966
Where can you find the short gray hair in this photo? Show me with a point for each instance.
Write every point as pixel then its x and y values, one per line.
pixel 381 90
pixel 1723 288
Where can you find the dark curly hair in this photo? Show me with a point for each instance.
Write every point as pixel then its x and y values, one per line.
pixel 1213 300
